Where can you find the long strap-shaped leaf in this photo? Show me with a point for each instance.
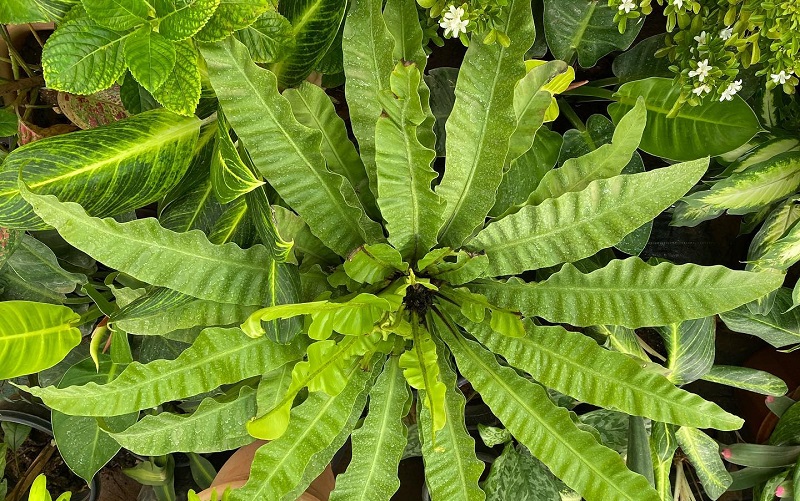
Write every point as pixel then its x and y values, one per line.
pixel 481 124
pixel 367 48
pixel 315 425
pixel 452 469
pixel 34 336
pixel 108 170
pixel 412 211
pixel 631 293
pixel 592 219
pixel 185 262
pixel 576 365
pixel 216 425
pixel 378 445
pixel 421 370
pixel 574 456
pixel 284 151
pixel 219 356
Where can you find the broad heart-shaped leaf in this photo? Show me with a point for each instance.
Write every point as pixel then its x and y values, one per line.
pixel 631 293
pixel 747 379
pixel 780 327
pixel 117 14
pixel 108 170
pixel 162 311
pixel 34 11
pixel 219 356
pixel 286 152
pixel 697 131
pixel 378 445
pixel 585 28
pixel 269 38
pixel 150 57
pixel 181 91
pixel 576 365
pixel 230 176
pixel 180 19
pixel 703 453
pixel 83 57
pixel 319 426
pixel 314 26
pixel 481 124
pixel 35 336
pixel 412 211
pixel 421 369
pixel 753 188
pixel 573 455
pixel 607 161
pixel 452 470
pixel 83 445
pixel 230 16
pixel 313 108
pixel 690 350
pixel 592 219
pixel 216 425
pixel 184 262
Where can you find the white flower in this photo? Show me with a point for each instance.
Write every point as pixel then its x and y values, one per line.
pixel 782 77
pixel 678 4
pixel 703 68
pixel 703 89
pixel 733 88
pixel 452 22
pixel 627 6
pixel 726 33
pixel 701 39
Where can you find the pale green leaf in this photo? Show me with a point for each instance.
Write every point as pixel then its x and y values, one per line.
pixel 710 129
pixel 690 350
pixel 748 379
pixel 180 19
pixel 466 268
pixel 585 29
pixel 596 472
pixel 117 14
pixel 234 225
pixel 703 453
pixel 779 327
pixel 781 254
pixel 262 216
pixel 378 445
pixel 184 262
pixel 592 219
pixel 181 91
pixel 101 168
pixel 83 57
pixel 272 388
pixel 631 293
pixel 230 16
pixel 371 264
pixel 216 425
pixel 219 356
pixel 150 57
pixel 576 365
pixel 481 124
pixel 269 38
pixel 286 152
pixel 230 177
pixel 621 339
pixel 421 370
pixel 43 333
pixel 34 11
pixel 663 446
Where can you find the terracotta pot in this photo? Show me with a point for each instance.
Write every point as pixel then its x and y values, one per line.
pixel 235 472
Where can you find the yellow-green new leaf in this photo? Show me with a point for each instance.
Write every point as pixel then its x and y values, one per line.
pixel 597 217
pixel 286 152
pixel 35 336
pixel 421 370
pixel 108 170
pixel 230 177
pixel 218 357
pixel 631 293
pixel 184 262
pixel 480 125
pixel 371 264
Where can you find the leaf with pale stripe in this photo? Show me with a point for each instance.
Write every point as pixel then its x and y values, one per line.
pixel 480 125
pixel 690 349
pixel 573 455
pixel 44 333
pixel 379 444
pixel 704 454
pixel 230 176
pixel 592 219
pixel 184 262
pixel 219 356
pixel 748 379
pixel 286 152
pixel 576 365
pixel 108 170
pixel 216 425
pixel 780 327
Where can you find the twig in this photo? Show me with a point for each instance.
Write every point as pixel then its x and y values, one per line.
pixel 24 84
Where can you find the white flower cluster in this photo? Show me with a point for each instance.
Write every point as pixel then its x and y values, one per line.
pixel 782 77
pixel 627 6
pixel 453 23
